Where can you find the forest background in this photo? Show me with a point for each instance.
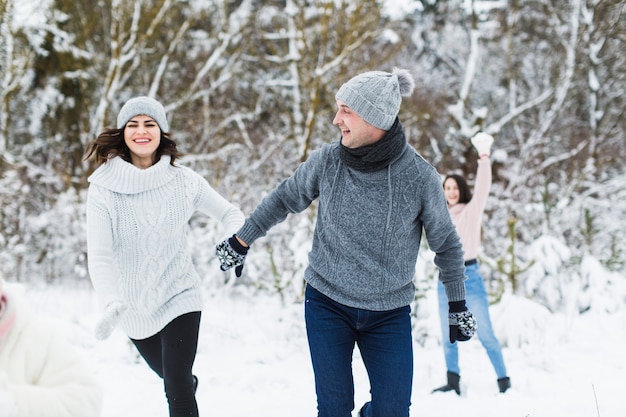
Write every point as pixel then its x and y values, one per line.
pixel 249 90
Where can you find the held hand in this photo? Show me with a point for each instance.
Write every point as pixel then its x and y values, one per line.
pixel 231 254
pixel 482 143
pixel 461 321
pixel 110 318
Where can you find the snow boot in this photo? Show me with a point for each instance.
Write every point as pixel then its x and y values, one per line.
pixel 362 410
pixel 504 384
pixel 452 385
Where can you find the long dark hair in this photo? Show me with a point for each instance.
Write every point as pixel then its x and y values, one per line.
pixel 465 194
pixel 110 143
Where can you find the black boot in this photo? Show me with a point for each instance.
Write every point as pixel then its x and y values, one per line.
pixel 504 384
pixel 453 384
pixel 195 383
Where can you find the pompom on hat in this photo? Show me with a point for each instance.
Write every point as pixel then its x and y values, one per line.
pixel 146 106
pixel 376 95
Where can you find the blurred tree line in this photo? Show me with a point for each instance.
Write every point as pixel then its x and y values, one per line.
pixel 249 90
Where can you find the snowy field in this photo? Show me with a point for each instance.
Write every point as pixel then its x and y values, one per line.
pixel 253 361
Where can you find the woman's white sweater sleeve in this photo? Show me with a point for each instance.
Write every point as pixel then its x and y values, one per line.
pixel 103 269
pixel 213 204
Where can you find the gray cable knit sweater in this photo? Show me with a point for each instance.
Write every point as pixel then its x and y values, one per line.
pixel 369 227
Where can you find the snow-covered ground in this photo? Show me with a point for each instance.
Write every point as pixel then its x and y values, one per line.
pixel 253 361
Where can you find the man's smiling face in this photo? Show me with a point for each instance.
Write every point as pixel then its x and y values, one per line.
pixel 355 132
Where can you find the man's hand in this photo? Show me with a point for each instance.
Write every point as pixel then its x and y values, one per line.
pixel 461 321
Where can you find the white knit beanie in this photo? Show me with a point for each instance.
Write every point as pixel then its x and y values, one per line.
pixel 146 106
pixel 376 95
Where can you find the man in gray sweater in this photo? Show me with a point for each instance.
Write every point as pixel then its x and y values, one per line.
pixel 376 195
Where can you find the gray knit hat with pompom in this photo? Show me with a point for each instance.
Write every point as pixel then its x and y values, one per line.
pixel 376 95
pixel 146 106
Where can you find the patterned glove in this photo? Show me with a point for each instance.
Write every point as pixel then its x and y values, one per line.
pixel 110 318
pixel 461 321
pixel 482 143
pixel 231 254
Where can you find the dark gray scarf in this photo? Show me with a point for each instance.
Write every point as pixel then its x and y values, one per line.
pixel 378 155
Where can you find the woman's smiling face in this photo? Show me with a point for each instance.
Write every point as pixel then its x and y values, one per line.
pixel 451 191
pixel 142 135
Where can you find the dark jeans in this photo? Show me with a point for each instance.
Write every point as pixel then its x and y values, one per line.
pixel 171 354
pixel 384 340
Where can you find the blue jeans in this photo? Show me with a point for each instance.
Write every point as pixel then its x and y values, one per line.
pixel 385 342
pixel 478 304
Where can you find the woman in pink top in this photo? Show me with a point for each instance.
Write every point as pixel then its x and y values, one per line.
pixel 466 212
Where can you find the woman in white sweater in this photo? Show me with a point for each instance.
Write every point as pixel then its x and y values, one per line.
pixel 41 374
pixel 138 209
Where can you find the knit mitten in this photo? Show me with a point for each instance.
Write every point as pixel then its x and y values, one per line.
pixel 482 143
pixel 231 254
pixel 110 318
pixel 461 321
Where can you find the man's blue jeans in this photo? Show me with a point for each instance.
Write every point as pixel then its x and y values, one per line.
pixel 478 303
pixel 385 342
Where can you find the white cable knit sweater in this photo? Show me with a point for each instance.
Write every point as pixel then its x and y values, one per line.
pixel 137 224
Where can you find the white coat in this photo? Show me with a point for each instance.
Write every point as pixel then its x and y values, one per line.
pixel 41 374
